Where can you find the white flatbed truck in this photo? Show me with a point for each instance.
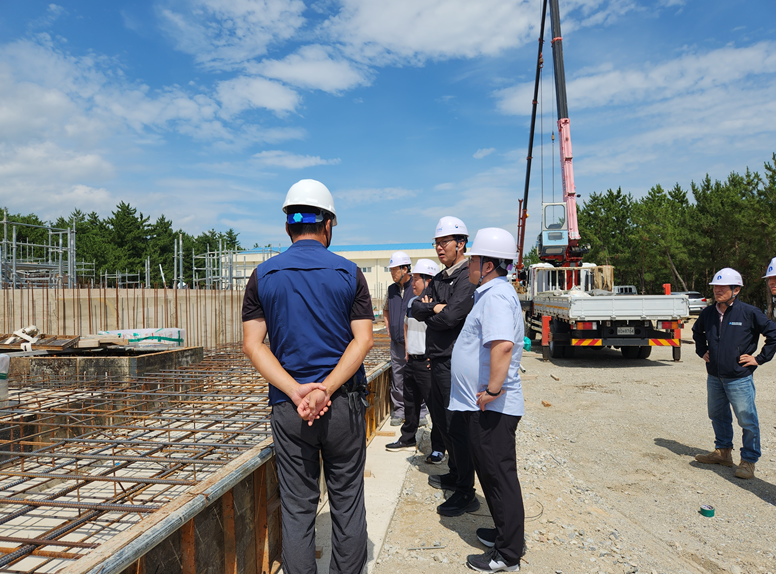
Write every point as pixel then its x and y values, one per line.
pixel 590 314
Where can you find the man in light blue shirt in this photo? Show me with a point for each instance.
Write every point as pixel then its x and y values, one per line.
pixel 486 388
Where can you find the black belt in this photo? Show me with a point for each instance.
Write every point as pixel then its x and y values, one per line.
pixel 417 357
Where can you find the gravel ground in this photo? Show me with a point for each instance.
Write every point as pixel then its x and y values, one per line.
pixel 609 479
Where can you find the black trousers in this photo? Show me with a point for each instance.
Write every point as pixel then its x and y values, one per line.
pixel 339 438
pixel 417 389
pixel 492 437
pixel 452 425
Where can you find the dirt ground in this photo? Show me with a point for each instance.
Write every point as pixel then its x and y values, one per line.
pixel 609 479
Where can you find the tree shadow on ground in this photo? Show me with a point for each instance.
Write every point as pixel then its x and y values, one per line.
pixel 765 490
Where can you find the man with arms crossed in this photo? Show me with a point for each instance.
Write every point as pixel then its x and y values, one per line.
pixel 397 298
pixel 316 308
pixel 417 373
pixel 443 309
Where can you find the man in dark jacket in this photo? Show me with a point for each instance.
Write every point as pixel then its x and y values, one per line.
pixel 444 307
pixel 726 336
pixel 397 299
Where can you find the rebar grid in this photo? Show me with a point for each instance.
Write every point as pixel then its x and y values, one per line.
pixel 83 461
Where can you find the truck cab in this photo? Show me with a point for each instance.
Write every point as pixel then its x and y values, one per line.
pixel 554 238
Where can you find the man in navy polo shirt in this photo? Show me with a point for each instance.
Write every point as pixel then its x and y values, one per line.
pixel 726 336
pixel 316 308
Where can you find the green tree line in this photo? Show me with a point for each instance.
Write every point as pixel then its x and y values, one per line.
pixel 682 237
pixel 123 241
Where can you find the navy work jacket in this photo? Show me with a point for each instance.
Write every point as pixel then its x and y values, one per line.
pixel 397 309
pixel 307 293
pixel 443 328
pixel 738 334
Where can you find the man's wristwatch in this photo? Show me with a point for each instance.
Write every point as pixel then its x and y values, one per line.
pixel 487 390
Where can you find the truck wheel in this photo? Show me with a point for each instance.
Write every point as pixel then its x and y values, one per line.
pixel 556 351
pixel 529 330
pixel 630 352
pixel 645 352
pixel 677 353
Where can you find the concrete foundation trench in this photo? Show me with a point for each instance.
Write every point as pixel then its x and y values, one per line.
pixel 162 470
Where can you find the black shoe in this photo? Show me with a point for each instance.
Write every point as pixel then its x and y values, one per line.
pixel 398 445
pixel 442 481
pixel 487 536
pixel 435 458
pixel 491 561
pixel 459 503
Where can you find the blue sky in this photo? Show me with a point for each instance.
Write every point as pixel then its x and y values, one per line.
pixel 208 110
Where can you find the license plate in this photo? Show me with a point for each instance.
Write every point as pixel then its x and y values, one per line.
pixel 626 330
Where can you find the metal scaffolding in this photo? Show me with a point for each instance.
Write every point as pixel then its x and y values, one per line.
pixel 227 269
pixel 51 263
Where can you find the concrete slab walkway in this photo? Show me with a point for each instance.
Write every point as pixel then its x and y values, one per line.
pixel 385 474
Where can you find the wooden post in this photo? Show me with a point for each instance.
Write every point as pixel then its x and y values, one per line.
pixel 230 541
pixel 188 548
pixel 260 519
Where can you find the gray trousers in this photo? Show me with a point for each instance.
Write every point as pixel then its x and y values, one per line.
pixel 339 438
pixel 398 363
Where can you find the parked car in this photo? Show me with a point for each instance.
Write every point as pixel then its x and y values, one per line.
pixel 697 301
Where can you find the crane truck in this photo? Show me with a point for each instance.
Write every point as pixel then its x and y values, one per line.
pixel 571 303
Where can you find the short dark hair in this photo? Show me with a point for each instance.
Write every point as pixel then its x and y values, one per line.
pixel 501 271
pixel 297 229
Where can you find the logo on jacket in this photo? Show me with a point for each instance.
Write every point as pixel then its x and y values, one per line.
pixel 736 323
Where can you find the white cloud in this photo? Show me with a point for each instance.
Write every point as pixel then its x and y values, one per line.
pixel 691 72
pixel 245 92
pixel 443 186
pixel 414 31
pixel 481 153
pixel 277 158
pixel 22 163
pixel 52 14
pixel 221 34
pixel 313 67
pixel 45 179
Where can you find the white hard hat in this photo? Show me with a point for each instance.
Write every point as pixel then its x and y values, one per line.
pixel 426 267
pixel 495 242
pixel 727 276
pixel 313 193
pixel 399 258
pixel 771 272
pixel 449 225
